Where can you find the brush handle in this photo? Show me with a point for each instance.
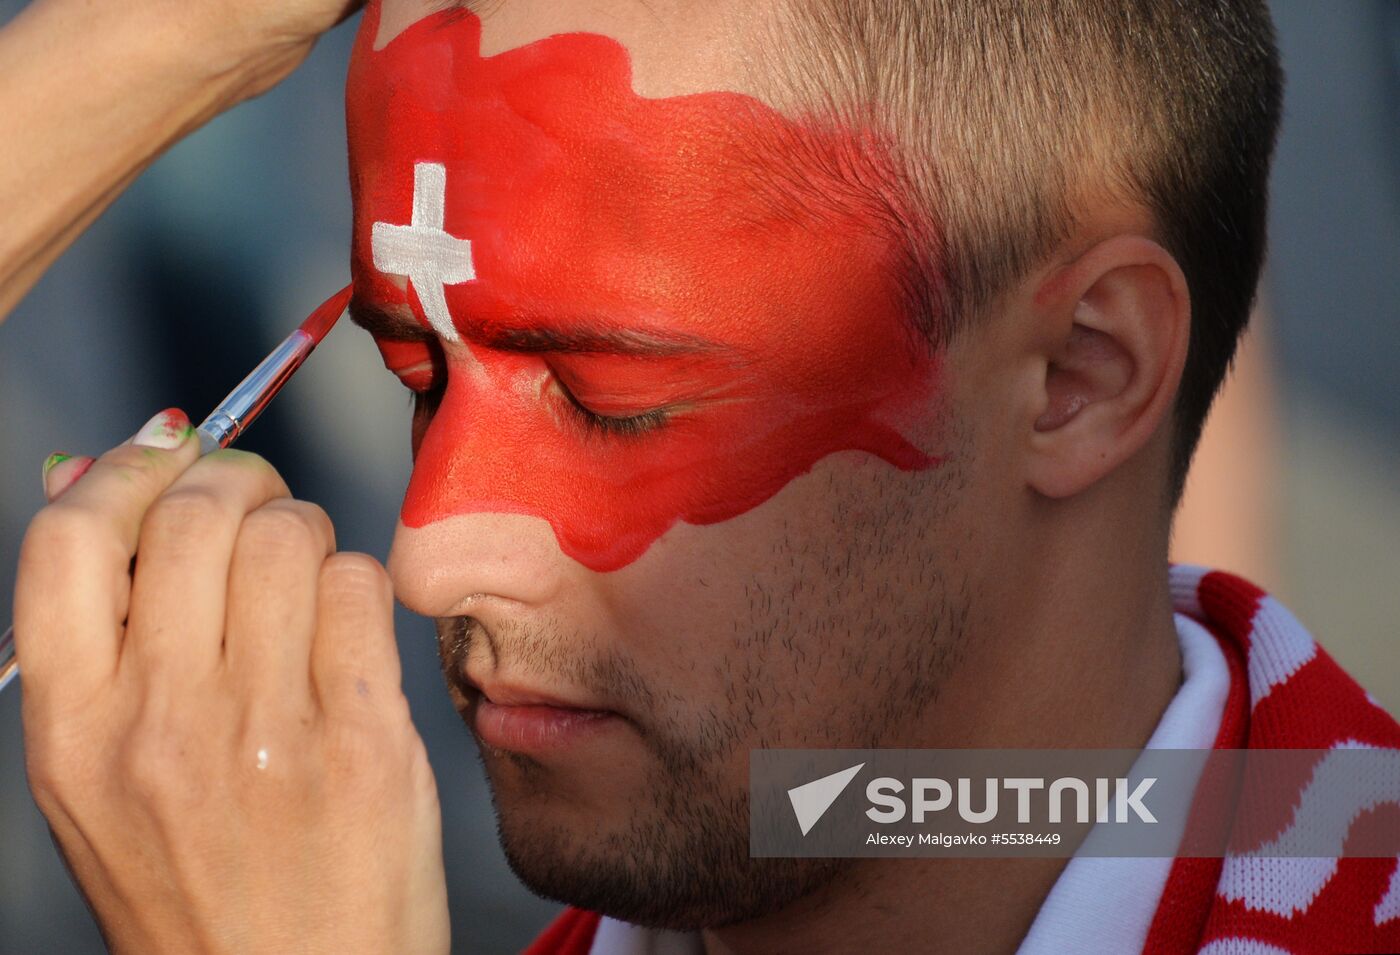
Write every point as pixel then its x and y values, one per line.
pixel 9 668
pixel 243 404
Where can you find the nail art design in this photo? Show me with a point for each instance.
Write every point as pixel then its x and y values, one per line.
pixel 61 471
pixel 166 431
pixel 54 460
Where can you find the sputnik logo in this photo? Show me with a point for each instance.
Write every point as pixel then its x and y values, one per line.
pixel 424 251
pixel 810 801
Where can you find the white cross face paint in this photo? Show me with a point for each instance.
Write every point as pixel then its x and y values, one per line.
pixel 423 251
pixel 262 759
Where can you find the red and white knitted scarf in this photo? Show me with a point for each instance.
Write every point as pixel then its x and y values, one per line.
pixel 1285 693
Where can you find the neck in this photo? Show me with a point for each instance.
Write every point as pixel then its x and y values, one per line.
pixel 1072 646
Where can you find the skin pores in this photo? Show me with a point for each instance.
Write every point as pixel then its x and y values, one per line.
pixel 668 308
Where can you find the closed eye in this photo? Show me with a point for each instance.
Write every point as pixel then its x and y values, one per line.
pixel 592 422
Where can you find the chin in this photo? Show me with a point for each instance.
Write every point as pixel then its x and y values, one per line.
pixel 661 853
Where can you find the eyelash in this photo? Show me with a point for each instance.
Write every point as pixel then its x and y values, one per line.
pixel 426 402
pixel 632 426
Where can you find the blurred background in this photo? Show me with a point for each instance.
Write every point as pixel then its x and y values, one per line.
pixel 226 243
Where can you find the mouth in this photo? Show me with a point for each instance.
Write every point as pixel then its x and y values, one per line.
pixel 524 720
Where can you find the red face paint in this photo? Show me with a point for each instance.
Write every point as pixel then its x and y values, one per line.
pixel 730 303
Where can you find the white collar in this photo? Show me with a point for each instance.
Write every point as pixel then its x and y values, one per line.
pixel 1104 904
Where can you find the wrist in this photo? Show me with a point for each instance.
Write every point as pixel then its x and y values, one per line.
pixel 199 57
pixel 226 52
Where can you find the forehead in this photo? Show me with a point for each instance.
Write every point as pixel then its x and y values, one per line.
pixel 677 47
pixel 578 194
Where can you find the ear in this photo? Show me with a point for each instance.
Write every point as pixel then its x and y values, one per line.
pixel 1118 321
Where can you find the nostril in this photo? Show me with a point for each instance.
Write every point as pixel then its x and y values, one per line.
pixel 458 639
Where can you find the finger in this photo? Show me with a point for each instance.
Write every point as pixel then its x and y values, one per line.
pixel 179 591
pixel 355 660
pixel 272 599
pixel 73 588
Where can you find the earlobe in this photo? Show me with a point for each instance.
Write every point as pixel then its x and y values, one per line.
pixel 1123 314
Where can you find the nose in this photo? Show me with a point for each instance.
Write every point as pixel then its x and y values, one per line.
pixel 440 569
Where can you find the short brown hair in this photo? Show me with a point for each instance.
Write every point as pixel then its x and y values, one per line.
pixel 1008 115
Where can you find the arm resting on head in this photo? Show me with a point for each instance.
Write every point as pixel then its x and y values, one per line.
pixel 91 94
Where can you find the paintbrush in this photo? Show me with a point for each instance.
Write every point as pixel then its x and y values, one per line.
pixel 237 411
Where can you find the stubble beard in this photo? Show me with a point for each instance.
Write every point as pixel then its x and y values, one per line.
pixel 677 856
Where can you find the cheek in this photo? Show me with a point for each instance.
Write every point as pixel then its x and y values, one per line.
pixel 500 442
pixel 784 588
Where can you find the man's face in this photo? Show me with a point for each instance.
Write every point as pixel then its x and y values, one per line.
pixel 680 473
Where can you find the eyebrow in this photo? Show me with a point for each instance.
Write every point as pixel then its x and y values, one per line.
pixel 579 338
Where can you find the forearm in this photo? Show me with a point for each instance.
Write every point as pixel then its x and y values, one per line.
pixel 90 94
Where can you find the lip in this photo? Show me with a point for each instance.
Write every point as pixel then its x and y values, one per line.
pixel 537 729
pixel 508 692
pixel 523 720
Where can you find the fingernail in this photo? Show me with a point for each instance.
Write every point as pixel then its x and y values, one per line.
pixel 167 431
pixel 54 460
pixel 61 471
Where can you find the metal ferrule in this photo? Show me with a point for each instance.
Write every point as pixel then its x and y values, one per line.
pixel 236 412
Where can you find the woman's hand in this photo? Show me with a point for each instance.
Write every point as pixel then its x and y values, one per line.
pixel 266 38
pixel 91 93
pixel 213 720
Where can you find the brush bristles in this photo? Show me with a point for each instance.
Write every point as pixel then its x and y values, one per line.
pixel 321 321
